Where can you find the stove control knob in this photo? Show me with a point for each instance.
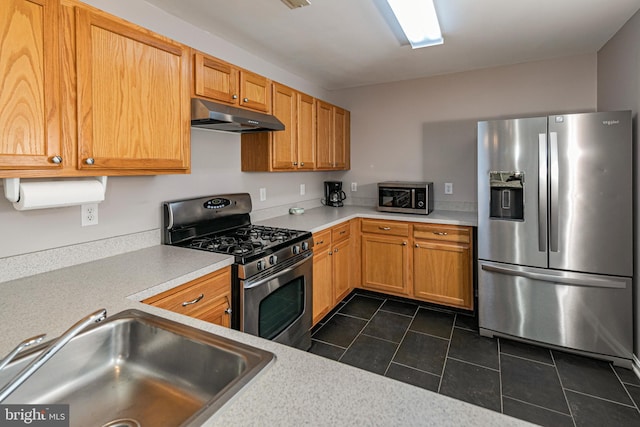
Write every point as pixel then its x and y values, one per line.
pixel 295 249
pixel 260 265
pixel 273 259
pixel 305 246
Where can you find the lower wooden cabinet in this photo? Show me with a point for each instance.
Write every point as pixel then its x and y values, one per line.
pixel 332 268
pixel 207 298
pixel 438 268
pixel 443 265
pixel 385 256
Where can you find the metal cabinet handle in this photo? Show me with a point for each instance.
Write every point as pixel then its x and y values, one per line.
pixel 330 253
pixel 193 301
pixel 301 163
pixel 385 228
pixel 320 242
pixel 295 163
pixel 335 251
pixel 343 231
pixel 404 243
pixel 234 96
pixel 245 100
pixel 228 310
pixel 56 159
pixel 440 233
pixel 89 161
pixel 417 245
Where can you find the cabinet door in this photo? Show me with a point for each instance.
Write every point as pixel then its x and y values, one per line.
pixel 385 263
pixel 322 275
pixel 341 269
pixel 215 79
pixel 133 96
pixel 442 273
pixel 306 132
pixel 255 91
pixel 324 135
pixel 29 110
pixel 340 138
pixel 284 143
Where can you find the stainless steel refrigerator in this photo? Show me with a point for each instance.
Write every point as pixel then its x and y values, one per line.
pixel 555 232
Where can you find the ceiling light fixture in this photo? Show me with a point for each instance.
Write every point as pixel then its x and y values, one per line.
pixel 418 20
pixel 293 4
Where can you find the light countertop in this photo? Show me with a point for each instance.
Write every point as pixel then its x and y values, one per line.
pixel 298 389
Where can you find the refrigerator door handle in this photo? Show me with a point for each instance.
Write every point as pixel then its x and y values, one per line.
pixel 542 192
pixel 565 279
pixel 553 176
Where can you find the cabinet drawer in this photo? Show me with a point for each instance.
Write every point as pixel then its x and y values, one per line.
pixel 340 232
pixel 447 233
pixel 321 240
pixel 200 294
pixel 394 228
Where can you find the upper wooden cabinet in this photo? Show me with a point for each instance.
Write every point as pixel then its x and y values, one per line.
pixel 333 137
pixel 85 93
pixel 133 96
pixel 287 150
pixel 29 98
pixel 220 81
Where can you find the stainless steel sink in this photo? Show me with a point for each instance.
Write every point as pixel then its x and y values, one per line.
pixel 139 369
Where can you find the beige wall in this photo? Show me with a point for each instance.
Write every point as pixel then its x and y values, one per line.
pixel 619 89
pixel 392 124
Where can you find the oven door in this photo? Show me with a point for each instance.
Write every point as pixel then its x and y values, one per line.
pixel 276 305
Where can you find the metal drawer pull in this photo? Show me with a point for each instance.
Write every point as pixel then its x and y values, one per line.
pixel 320 242
pixel 335 251
pixel 385 228
pixel 440 233
pixel 417 245
pixel 194 301
pixel 343 231
pixel 404 243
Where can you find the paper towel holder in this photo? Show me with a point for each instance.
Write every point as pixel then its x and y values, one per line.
pixel 12 188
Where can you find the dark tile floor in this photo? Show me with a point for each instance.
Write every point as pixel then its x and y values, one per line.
pixel 443 352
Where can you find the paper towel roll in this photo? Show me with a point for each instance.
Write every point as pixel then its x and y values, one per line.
pixel 54 194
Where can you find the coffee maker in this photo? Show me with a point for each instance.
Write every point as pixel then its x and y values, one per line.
pixel 333 194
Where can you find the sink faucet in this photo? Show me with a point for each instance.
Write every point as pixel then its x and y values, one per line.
pixel 52 349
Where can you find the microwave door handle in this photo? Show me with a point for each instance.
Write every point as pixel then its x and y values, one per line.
pixel 413 198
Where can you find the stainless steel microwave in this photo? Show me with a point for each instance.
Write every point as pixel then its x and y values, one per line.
pixel 405 197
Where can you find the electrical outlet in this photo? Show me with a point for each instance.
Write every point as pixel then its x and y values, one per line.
pixel 448 188
pixel 303 189
pixel 89 214
pixel 263 194
pixel 354 187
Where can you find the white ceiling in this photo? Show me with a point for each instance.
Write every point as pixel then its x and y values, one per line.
pixel 346 43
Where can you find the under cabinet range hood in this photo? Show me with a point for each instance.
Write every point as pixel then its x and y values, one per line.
pixel 211 115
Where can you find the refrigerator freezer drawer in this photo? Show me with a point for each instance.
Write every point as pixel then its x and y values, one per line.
pixel 579 311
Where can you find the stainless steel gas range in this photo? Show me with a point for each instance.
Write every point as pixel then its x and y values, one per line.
pixel 272 272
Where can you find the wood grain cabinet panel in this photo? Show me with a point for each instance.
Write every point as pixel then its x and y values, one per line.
pixel 207 298
pixel 322 275
pixel 385 263
pixel 29 99
pixel 221 81
pixel 288 150
pixel 332 137
pixel 443 264
pixel 333 271
pixel 133 96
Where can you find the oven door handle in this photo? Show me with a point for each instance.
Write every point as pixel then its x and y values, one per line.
pixel 307 257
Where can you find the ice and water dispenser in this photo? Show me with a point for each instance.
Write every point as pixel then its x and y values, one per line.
pixel 507 195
